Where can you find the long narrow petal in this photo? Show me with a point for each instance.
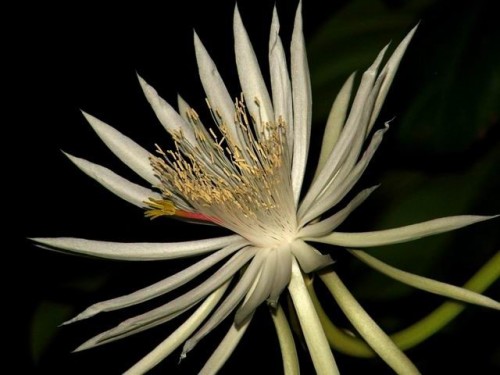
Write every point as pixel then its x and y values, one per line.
pixel 168 116
pixel 402 234
pixel 129 152
pixel 118 185
pixel 262 289
pixel 280 81
pixel 229 304
pixel 327 225
pixel 252 83
pixel 282 274
pixel 308 257
pixel 302 104
pixel 181 334
pixel 217 93
pixel 316 341
pixel 388 73
pixel 352 133
pixel 367 328
pixel 138 250
pixel 335 122
pixel 173 308
pixel 286 341
pixel 159 288
pixel 341 186
pixel 225 349
pixel 424 283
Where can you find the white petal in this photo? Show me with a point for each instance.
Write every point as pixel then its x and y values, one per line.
pixel 282 274
pixel 217 94
pixel 316 341
pixel 173 308
pixel 367 328
pixel 389 71
pixel 280 81
pixel 129 152
pixel 335 122
pixel 137 250
pixel 250 76
pixel 183 107
pixel 120 332
pixel 174 340
pixel 308 257
pixel 159 288
pixel 260 293
pixel 351 134
pixel 302 104
pixel 341 186
pixel 229 304
pixel 429 285
pixel 286 341
pixel 325 226
pixel 123 188
pixel 168 117
pixel 402 234
pixel 225 349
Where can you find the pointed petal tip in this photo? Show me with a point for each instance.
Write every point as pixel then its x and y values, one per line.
pixel 85 346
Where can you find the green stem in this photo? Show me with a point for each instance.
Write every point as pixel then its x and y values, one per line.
pixel 287 344
pixel 417 332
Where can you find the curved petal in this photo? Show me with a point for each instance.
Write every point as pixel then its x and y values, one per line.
pixel 341 186
pixel 353 133
pixel 168 116
pixel 388 73
pixel 252 83
pixel 225 348
pixel 173 308
pixel 229 304
pixel 367 328
pixel 282 274
pixel 261 291
pixel 181 334
pixel 129 152
pixel 217 94
pixel 280 81
pixel 137 250
pixel 308 257
pixel 302 104
pixel 325 226
pixel 424 283
pixel 335 122
pixel 402 234
pixel 159 288
pixel 118 185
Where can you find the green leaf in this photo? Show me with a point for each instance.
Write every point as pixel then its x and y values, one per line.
pixel 351 40
pixel 46 319
pixel 454 87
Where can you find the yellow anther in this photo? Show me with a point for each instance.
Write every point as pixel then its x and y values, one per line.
pixel 159 207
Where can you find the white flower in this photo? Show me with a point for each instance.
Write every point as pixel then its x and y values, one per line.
pixel 246 175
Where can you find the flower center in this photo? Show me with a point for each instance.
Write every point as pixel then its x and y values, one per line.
pixel 240 181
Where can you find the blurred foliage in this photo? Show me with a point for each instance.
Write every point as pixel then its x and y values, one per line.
pixel 46 320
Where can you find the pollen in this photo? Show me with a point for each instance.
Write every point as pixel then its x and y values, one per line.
pixel 159 207
pixel 235 175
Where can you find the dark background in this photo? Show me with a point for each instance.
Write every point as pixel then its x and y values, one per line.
pixel 440 158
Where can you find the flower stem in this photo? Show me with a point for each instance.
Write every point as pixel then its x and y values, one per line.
pixel 320 352
pixel 417 332
pixel 285 338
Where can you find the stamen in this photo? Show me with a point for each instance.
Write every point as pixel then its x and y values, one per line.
pixel 245 187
